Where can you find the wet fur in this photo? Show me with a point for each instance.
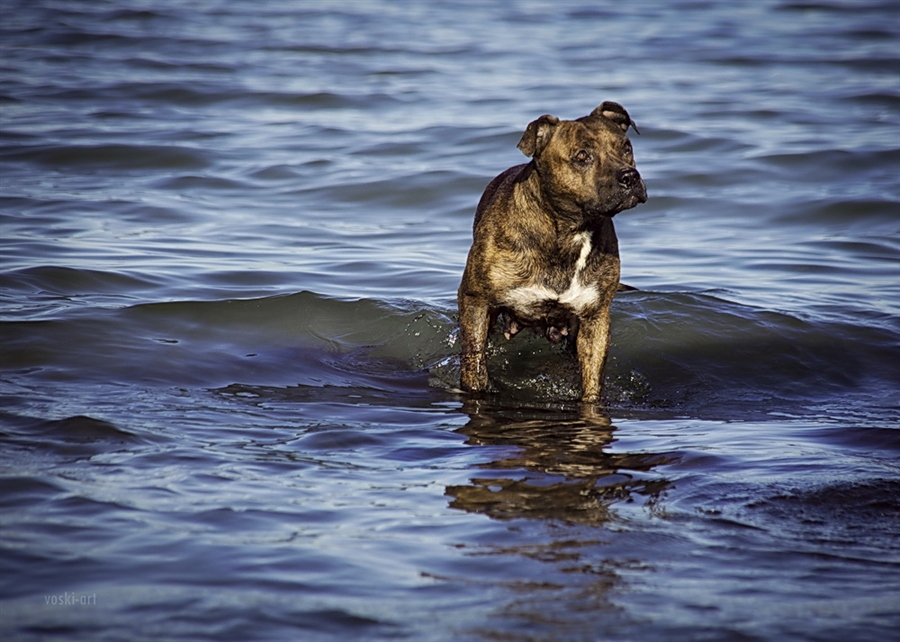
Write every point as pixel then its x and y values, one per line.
pixel 545 253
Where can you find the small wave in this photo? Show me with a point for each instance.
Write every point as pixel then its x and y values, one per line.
pixel 818 165
pixel 281 340
pixel 671 351
pixel 700 353
pixel 861 213
pixel 700 347
pixel 113 156
pixel 836 512
pixel 76 429
pixel 65 281
pixel 72 438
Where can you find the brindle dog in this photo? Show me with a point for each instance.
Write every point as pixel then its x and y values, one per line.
pixel 545 253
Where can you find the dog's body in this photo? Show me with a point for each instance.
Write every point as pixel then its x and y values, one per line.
pixel 545 253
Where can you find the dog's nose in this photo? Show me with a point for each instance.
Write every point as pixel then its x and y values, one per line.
pixel 628 178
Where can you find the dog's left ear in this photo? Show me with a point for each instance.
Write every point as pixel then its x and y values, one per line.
pixel 537 135
pixel 616 113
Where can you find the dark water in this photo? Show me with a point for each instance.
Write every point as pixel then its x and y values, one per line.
pixel 231 239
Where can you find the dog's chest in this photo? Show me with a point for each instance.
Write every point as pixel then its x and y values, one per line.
pixel 528 300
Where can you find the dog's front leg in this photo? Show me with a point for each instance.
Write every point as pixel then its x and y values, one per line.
pixel 474 323
pixel 592 345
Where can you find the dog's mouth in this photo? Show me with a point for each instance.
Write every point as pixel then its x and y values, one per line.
pixel 624 200
pixel 631 183
pixel 639 194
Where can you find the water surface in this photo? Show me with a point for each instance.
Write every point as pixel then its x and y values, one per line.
pixel 231 240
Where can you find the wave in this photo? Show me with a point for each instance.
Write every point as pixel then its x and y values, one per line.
pixel 690 353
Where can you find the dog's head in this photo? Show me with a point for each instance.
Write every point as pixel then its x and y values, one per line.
pixel 586 166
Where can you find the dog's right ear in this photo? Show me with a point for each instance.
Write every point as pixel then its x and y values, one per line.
pixel 538 134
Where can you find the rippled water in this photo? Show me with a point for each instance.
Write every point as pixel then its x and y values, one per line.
pixel 231 239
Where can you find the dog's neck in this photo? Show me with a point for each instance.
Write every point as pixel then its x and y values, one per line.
pixel 564 227
pixel 565 223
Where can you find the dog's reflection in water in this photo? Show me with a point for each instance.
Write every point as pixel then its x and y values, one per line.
pixel 552 464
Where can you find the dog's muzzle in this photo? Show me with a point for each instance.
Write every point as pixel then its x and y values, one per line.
pixel 631 181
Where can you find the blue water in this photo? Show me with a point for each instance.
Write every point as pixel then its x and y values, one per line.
pixel 230 242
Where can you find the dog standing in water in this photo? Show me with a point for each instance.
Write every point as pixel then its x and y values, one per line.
pixel 545 253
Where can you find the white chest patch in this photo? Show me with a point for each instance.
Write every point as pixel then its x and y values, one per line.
pixel 577 296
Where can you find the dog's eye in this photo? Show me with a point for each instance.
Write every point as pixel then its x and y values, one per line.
pixel 627 149
pixel 582 157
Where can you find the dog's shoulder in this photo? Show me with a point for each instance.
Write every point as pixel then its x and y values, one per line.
pixel 501 188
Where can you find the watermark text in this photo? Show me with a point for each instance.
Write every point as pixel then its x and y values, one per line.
pixel 69 598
